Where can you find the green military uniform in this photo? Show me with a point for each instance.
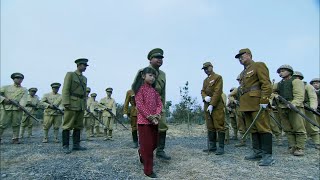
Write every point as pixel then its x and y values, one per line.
pixel 255 89
pixel 226 119
pixel 31 106
pixel 133 115
pixel 94 109
pixel 215 121
pixel 108 119
pixel 11 114
pixel 74 101
pixel 52 116
pixel 293 124
pixel 276 130
pixel 88 120
pixel 313 82
pixel 310 100
pixel 233 117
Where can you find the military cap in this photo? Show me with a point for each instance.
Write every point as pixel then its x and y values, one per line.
pixel 157 52
pixel 315 80
pixel 232 89
pixel 33 89
pixel 93 95
pixel 286 66
pixel 206 64
pixel 88 89
pixel 82 61
pixel 242 51
pixel 109 89
pixel 17 75
pixel 297 73
pixel 55 85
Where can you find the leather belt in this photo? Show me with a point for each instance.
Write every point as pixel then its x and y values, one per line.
pixel 77 95
pixel 252 88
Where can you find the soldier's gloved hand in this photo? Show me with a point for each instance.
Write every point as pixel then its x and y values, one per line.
pixel 155 122
pixel 125 116
pixel 6 101
pixel 263 105
pixel 210 109
pixel 158 116
pixel 207 99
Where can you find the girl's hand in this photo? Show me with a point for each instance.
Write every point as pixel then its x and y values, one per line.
pixel 155 122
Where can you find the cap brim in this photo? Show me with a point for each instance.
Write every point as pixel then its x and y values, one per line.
pixel 238 55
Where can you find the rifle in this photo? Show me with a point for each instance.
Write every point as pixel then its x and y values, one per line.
pixel 292 107
pixel 23 109
pixel 311 110
pixel 57 109
pixel 90 113
pixel 109 110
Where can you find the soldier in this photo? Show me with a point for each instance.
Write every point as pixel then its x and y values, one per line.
pixel 108 104
pixel 52 113
pixel 133 115
pixel 74 102
pixel 276 130
pixel 88 119
pixel 226 119
pixel 315 82
pixel 94 109
pixel 214 109
pixel 155 56
pixel 292 90
pixel 311 101
pixel 31 106
pixel 255 90
pixel 233 117
pixel 11 114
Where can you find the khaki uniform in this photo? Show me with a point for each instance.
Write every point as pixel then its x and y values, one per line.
pixel 73 94
pixel 133 110
pixel 227 118
pixel 27 121
pixel 318 108
pixel 276 130
pixel 107 118
pixel 51 117
pixel 10 114
pixel 88 120
pixel 233 115
pixel 293 123
pixel 311 101
pixel 212 87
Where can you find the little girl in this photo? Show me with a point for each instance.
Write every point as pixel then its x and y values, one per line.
pixel 149 106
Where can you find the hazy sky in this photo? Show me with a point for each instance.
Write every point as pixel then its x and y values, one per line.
pixel 41 39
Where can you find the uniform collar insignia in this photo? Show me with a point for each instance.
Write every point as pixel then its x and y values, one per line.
pixel 211 81
pixel 250 72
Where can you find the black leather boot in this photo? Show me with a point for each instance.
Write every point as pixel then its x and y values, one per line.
pixel 161 145
pixel 266 142
pixel 212 138
pixel 65 141
pixel 220 150
pixel 256 155
pixel 76 140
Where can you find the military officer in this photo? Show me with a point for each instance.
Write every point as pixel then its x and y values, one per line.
pixel 10 114
pixel 315 82
pixel 214 109
pixel 88 119
pixel 155 57
pixel 311 101
pixel 108 104
pixel 293 91
pixel 33 103
pixel 132 114
pixel 52 103
pixel 74 102
pixel 255 90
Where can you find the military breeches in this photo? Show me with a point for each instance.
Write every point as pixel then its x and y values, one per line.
pixel 108 121
pixel 133 122
pixel 73 120
pixel 215 121
pixel 26 121
pixel 54 121
pixel 163 127
pixel 311 129
pixel 262 124
pixel 88 122
pixel 241 123
pixel 292 122
pixel 13 117
pixel 233 122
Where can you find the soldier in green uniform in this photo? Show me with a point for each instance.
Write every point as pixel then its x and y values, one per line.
pixel 293 124
pixel 255 90
pixel 52 102
pixel 108 103
pixel 155 57
pixel 132 114
pixel 74 102
pixel 226 119
pixel 276 130
pixel 310 99
pixel 315 82
pixel 88 120
pixel 233 117
pixel 32 104
pixel 10 114
pixel 214 109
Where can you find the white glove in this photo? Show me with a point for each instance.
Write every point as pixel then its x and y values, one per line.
pixel 263 105
pixel 207 99
pixel 125 116
pixel 210 108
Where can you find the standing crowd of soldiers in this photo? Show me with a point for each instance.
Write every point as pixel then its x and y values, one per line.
pixel 258 106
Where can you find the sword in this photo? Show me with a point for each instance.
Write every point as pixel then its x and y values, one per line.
pixel 253 122
pixel 275 120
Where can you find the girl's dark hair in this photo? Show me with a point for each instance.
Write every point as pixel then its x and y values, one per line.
pixel 139 80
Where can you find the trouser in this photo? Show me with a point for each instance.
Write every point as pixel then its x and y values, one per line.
pixel 72 120
pixel 234 125
pixel 133 122
pixel 108 122
pixel 89 124
pixel 13 117
pixel 276 130
pixel 148 137
pixel 312 131
pixel 241 122
pixel 54 121
pixel 293 126
pixel 26 122
pixel 216 121
pixel 262 124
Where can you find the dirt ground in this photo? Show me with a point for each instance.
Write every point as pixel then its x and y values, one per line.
pixel 117 160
